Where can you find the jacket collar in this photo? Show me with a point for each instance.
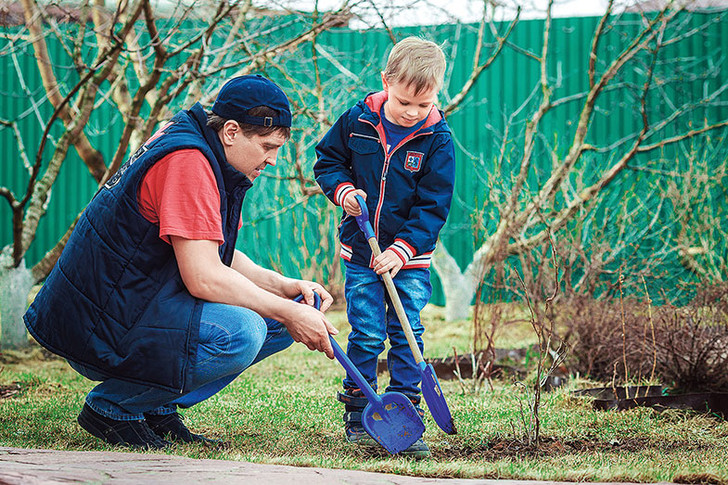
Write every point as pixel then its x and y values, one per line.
pixel 231 177
pixel 374 102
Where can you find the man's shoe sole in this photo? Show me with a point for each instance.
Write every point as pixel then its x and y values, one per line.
pixel 110 435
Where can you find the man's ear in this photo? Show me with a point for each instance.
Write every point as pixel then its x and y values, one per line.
pixel 229 131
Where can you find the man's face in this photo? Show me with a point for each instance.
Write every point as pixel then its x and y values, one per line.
pixel 404 107
pixel 250 155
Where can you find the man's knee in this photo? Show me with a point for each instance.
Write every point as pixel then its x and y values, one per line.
pixel 232 332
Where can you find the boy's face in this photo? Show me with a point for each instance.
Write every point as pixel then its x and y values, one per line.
pixel 250 155
pixel 404 107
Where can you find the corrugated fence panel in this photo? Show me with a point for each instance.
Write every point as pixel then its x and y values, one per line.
pixel 284 231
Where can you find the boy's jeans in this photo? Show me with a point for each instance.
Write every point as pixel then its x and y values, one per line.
pixel 371 324
pixel 231 340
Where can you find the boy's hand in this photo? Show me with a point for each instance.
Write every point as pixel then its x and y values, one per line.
pixel 350 205
pixel 388 261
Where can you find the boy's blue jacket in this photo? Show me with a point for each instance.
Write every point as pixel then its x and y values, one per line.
pixel 408 192
pixel 115 301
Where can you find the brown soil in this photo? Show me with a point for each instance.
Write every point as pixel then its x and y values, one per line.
pixel 550 446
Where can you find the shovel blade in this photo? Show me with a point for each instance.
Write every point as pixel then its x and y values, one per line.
pixel 395 424
pixel 435 399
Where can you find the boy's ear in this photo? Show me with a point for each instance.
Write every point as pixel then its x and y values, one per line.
pixel 385 86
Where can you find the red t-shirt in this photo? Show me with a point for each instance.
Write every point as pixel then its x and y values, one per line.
pixel 179 193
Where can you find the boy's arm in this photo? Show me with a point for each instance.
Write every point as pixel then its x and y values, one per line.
pixel 333 165
pixel 428 215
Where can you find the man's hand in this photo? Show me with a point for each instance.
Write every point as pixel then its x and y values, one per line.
pixel 310 327
pixel 307 288
pixel 350 205
pixel 388 261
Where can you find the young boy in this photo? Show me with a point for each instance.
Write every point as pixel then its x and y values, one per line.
pixel 394 149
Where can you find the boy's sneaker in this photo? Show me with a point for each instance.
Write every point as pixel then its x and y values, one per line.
pixel 134 434
pixel 355 433
pixel 170 426
pixel 417 450
pixel 354 403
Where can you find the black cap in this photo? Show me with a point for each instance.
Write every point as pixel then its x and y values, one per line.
pixel 240 94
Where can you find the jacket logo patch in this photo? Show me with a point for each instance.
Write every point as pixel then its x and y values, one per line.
pixel 413 161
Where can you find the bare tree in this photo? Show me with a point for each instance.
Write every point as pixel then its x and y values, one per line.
pixel 175 56
pixel 528 210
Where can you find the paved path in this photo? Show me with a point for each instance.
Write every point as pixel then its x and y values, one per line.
pixel 49 467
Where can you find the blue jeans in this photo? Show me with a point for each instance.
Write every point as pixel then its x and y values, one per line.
pixel 372 322
pixel 231 340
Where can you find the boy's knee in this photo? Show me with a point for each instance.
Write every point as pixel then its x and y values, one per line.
pixel 367 342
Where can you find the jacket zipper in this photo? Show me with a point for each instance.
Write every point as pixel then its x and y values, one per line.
pixel 385 169
pixel 367 137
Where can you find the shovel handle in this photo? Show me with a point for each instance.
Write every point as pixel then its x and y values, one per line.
pixel 344 360
pixel 366 228
pixel 363 219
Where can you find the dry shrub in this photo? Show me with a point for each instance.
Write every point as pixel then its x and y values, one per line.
pixel 692 345
pixel 714 297
pixel 682 347
pixel 601 338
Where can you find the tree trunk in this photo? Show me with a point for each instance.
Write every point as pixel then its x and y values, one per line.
pixel 15 285
pixel 459 287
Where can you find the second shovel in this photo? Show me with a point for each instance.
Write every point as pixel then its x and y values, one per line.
pixel 431 389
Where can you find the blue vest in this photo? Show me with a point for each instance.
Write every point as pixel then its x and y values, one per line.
pixel 115 301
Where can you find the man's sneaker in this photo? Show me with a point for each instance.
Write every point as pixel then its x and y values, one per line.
pixel 417 450
pixel 170 426
pixel 134 434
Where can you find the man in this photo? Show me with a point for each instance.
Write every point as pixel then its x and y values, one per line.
pixel 150 295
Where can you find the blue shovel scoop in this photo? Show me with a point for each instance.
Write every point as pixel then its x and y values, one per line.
pixel 391 419
pixel 431 389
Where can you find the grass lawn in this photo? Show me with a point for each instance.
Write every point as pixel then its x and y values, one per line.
pixel 283 411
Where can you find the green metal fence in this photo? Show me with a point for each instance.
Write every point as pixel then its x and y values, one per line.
pixel 290 232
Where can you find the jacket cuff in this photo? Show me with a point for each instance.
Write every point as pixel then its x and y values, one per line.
pixel 403 250
pixel 342 190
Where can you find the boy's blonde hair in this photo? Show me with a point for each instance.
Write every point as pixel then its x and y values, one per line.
pixel 416 62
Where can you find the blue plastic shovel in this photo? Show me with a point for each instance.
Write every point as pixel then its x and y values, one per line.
pixel 431 389
pixel 391 419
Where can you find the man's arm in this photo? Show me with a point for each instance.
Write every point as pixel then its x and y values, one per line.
pixel 207 278
pixel 278 284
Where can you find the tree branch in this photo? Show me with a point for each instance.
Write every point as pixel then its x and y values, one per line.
pixel 91 157
pixel 684 136
pixel 477 67
pixel 595 43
